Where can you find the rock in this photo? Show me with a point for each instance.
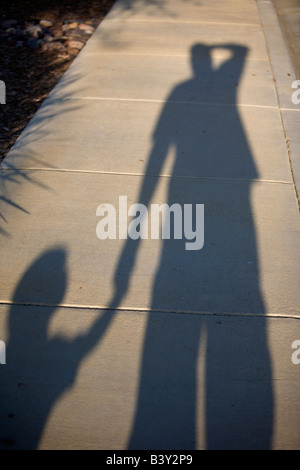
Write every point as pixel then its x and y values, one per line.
pixel 48 38
pixel 46 24
pixel 72 25
pixel 9 23
pixel 57 32
pixel 11 30
pixel 61 38
pixel 86 28
pixel 34 31
pixel 75 45
pixel 34 43
pixel 77 35
pixel 53 46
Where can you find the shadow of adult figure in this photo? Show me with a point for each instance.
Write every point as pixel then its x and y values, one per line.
pixel 213 166
pixel 39 367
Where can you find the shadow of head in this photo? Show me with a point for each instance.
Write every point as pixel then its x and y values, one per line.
pixel 202 55
pixel 45 280
pixel 43 283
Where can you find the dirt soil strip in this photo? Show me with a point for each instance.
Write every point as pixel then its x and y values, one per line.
pixel 38 42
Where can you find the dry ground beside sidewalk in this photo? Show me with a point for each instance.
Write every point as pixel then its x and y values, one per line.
pixel 288 12
pixel 30 66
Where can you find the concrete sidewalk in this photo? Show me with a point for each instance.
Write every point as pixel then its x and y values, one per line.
pixel 143 344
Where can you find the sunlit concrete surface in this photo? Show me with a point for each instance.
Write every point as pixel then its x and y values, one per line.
pixel 144 344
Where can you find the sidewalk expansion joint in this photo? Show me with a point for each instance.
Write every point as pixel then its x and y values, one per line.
pixel 161 54
pixel 290 109
pixel 193 103
pixel 149 310
pixel 175 21
pixel 152 175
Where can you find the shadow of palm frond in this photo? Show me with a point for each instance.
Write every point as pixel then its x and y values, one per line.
pixel 142 10
pixel 152 6
pixel 26 157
